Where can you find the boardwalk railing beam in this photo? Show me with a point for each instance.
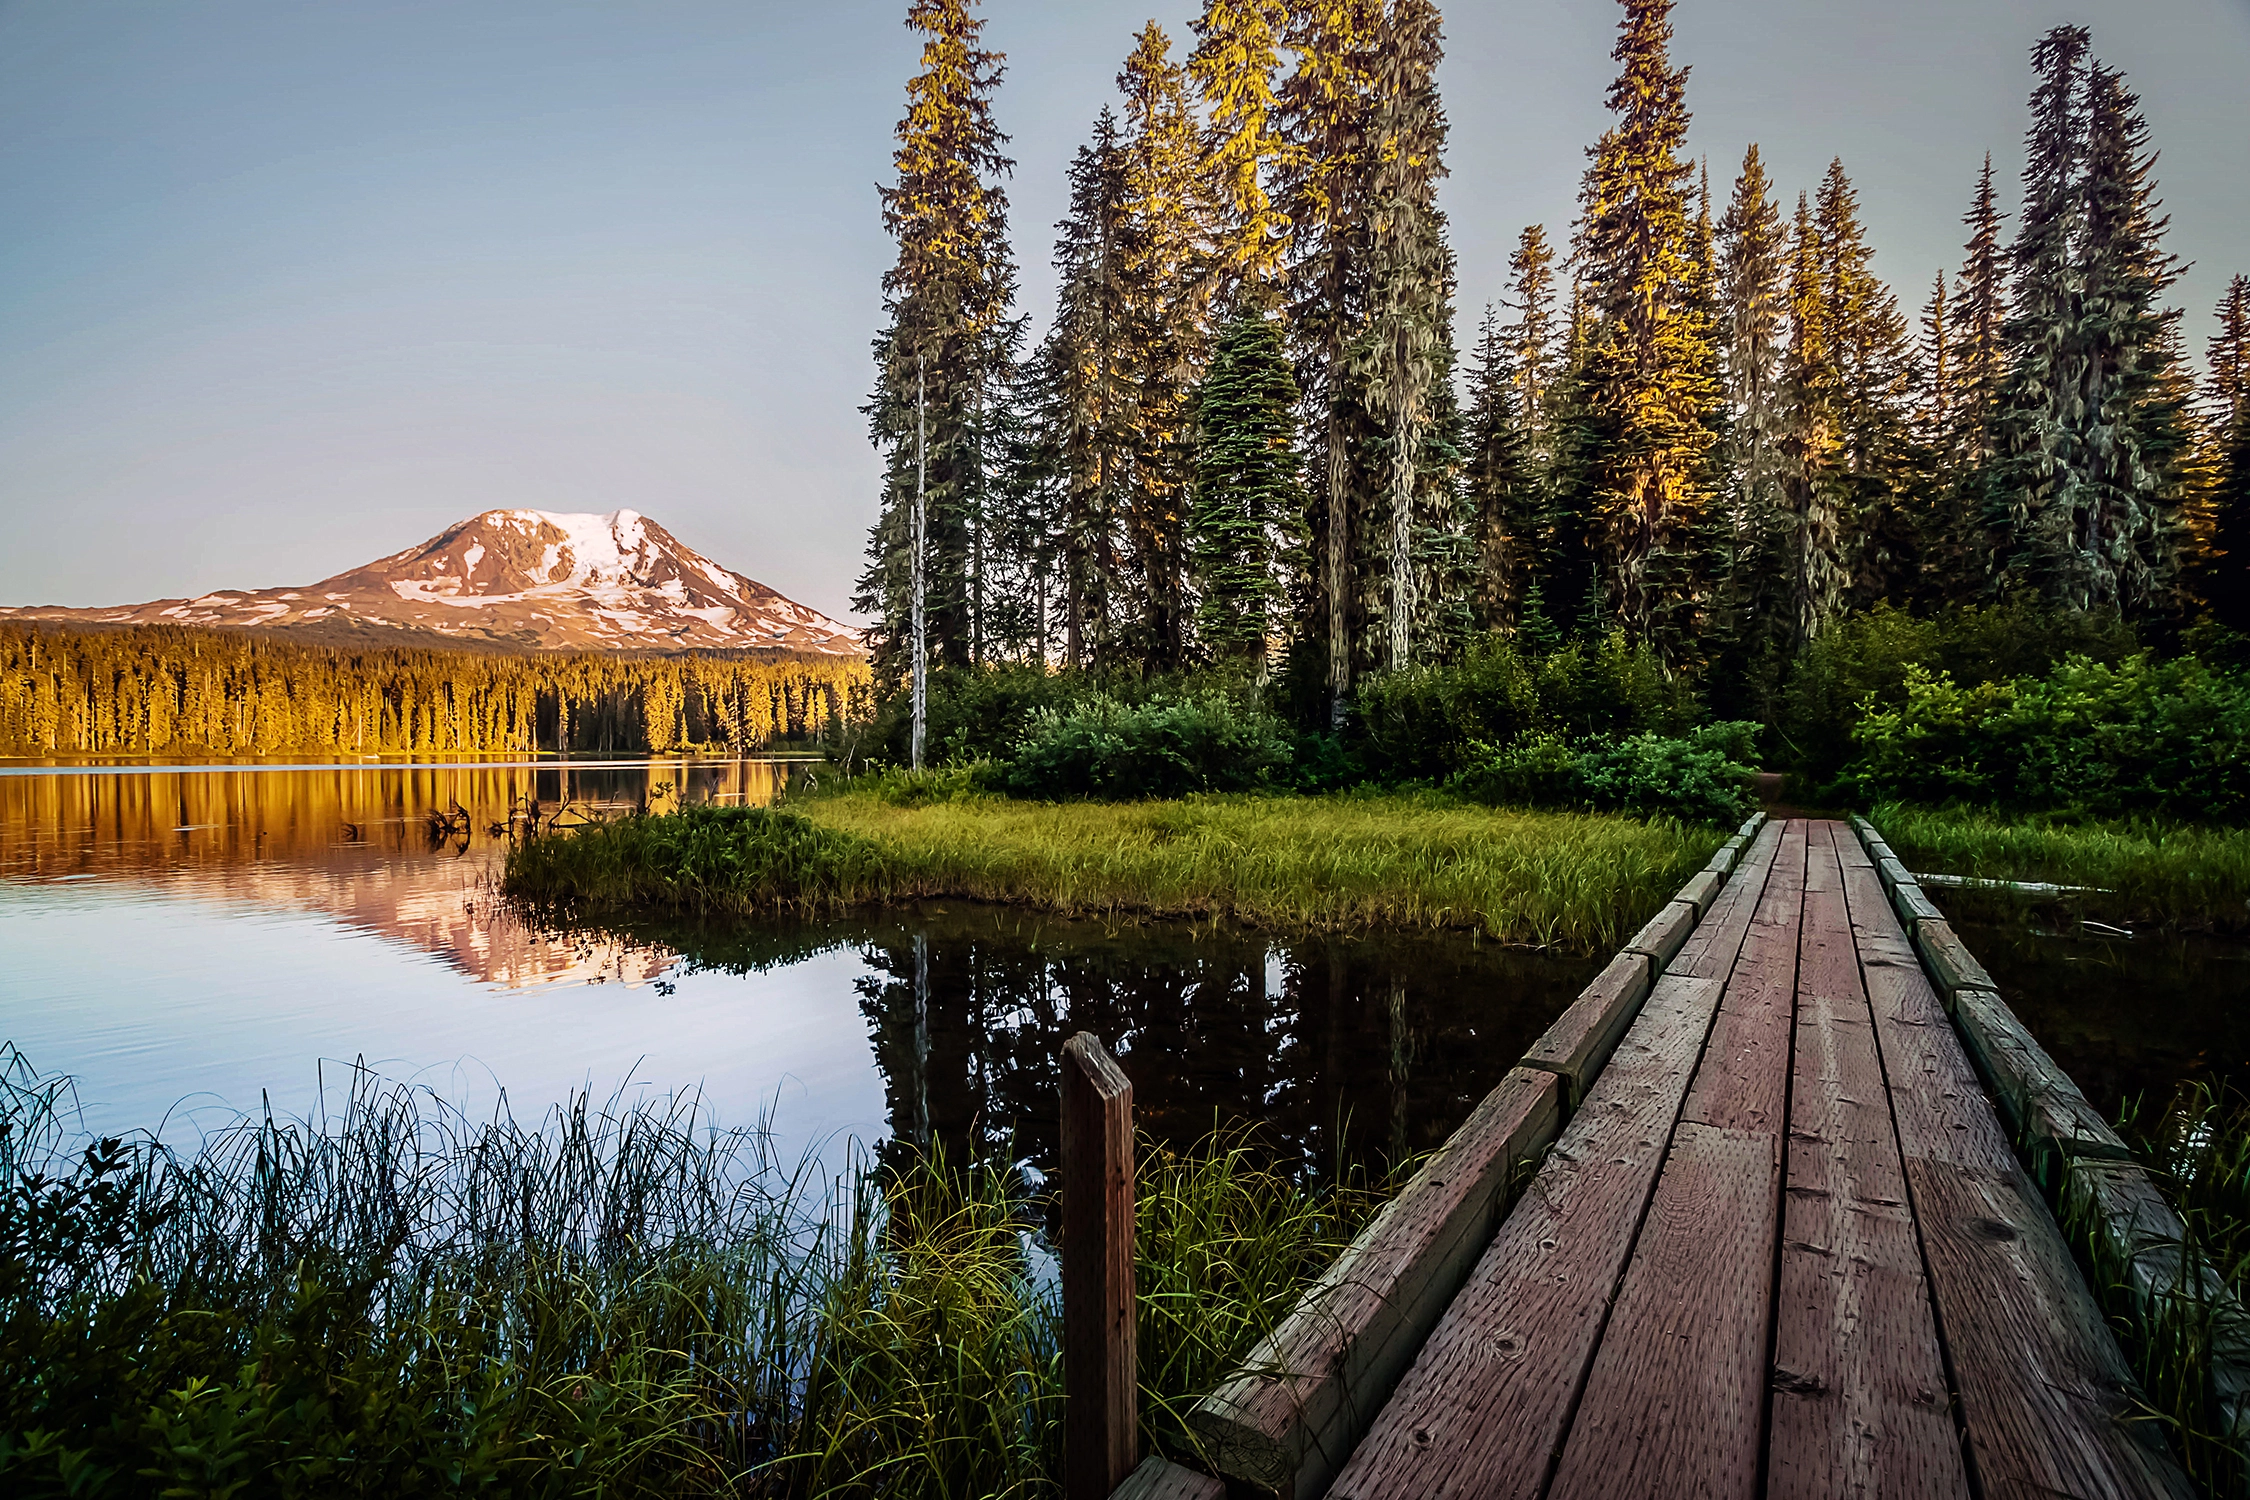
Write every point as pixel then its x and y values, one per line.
pixel 1101 1434
pixel 2099 1190
pixel 1284 1422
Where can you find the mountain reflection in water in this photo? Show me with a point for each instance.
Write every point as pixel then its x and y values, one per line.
pixel 229 934
pixel 353 842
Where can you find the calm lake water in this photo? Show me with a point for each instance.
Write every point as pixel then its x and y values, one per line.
pixel 192 942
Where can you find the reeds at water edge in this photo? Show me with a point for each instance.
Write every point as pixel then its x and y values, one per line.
pixel 392 1299
pixel 1349 862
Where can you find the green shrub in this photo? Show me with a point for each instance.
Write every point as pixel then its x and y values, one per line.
pixel 2170 738
pixel 1166 747
pixel 1428 723
pixel 701 858
pixel 1696 778
pixel 1864 661
pixel 975 713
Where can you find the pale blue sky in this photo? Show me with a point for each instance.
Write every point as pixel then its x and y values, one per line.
pixel 287 286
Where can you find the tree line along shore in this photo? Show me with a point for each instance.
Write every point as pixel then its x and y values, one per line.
pixel 159 689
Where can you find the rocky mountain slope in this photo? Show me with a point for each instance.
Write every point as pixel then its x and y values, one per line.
pixel 530 578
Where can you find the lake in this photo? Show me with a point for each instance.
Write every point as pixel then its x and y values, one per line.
pixel 194 942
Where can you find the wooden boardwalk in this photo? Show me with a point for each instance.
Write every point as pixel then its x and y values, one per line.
pixel 1780 1245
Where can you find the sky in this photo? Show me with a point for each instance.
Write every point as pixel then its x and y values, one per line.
pixel 288 287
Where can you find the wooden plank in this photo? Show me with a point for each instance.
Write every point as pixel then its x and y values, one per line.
pixel 1710 952
pixel 2043 1388
pixel 1665 933
pixel 1702 891
pixel 1951 965
pixel 1859 1390
pixel 2038 1098
pixel 1673 1400
pixel 1158 1478
pixel 1913 906
pixel 1101 1372
pixel 1303 1397
pixel 2046 1396
pixel 1743 1083
pixel 1673 1403
pixel 1892 869
pixel 1483 1411
pixel 2139 1251
pixel 1729 855
pixel 1584 1036
pixel 1752 824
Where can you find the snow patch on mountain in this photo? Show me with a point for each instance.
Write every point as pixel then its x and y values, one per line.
pixel 549 578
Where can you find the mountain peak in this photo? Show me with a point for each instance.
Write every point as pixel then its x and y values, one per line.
pixel 549 579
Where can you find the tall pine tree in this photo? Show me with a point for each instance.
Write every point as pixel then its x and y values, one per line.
pixel 1402 356
pixel 1650 372
pixel 1087 401
pixel 1531 338
pixel 1236 60
pixel 942 361
pixel 1248 508
pixel 1752 618
pixel 1167 273
pixel 1327 119
pixel 2225 583
pixel 2030 482
pixel 1497 485
pixel 2131 417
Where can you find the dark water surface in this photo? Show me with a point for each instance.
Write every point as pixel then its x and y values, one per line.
pixel 194 941
pixel 2127 1018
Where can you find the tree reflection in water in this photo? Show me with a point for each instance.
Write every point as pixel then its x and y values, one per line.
pixel 1341 1051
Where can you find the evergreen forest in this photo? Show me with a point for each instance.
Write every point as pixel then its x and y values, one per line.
pixel 1252 440
pixel 151 689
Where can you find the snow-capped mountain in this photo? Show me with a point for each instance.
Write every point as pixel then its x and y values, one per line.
pixel 528 577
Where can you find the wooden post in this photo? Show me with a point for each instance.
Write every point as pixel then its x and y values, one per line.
pixel 1101 1433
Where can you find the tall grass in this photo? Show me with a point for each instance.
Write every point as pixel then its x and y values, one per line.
pixel 2198 1143
pixel 394 1300
pixel 1344 862
pixel 2182 875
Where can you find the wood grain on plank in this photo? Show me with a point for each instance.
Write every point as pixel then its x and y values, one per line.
pixel 1665 932
pixel 1673 1403
pixel 1743 1083
pixel 2043 1388
pixel 1158 1478
pixel 1729 855
pixel 1584 1036
pixel 1860 1402
pixel 1306 1393
pixel 1482 1412
pixel 1701 891
pixel 2045 1394
pixel 1952 966
pixel 2037 1097
pixel 1853 854
pixel 1101 1371
pixel 1710 951
pixel 1913 905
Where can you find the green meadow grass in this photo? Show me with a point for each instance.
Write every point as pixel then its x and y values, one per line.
pixel 1347 862
pixel 395 1301
pixel 2180 875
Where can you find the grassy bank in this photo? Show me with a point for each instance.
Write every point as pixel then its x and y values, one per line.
pixel 2184 876
pixel 394 1301
pixel 2198 1143
pixel 1319 863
